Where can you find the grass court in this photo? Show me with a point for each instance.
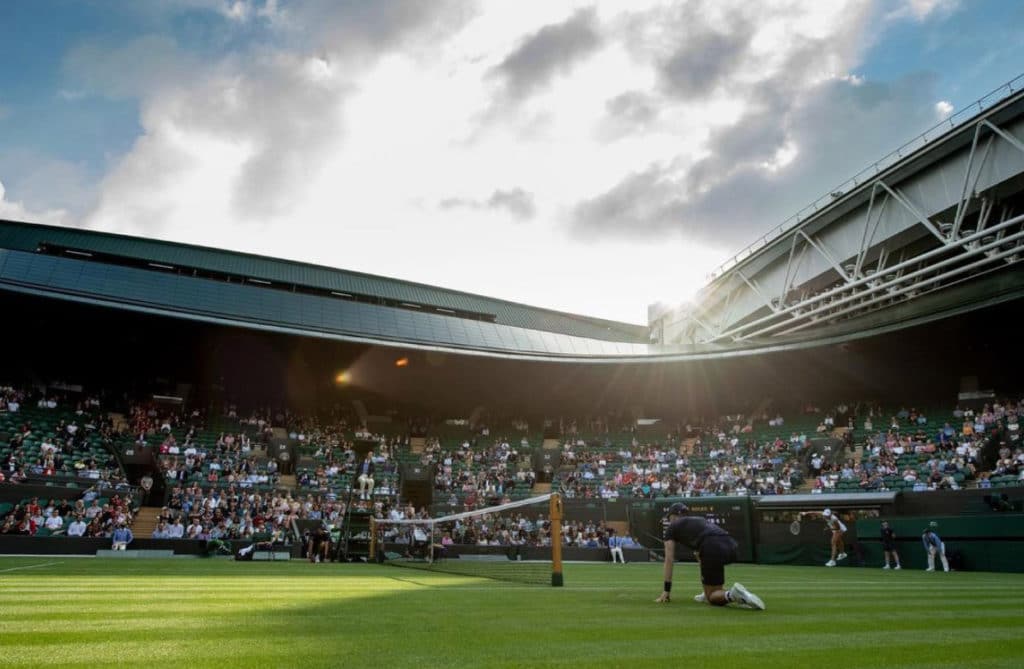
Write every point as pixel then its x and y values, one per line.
pixel 85 612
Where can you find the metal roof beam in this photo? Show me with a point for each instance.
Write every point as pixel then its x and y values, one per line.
pixel 863 280
pixel 883 288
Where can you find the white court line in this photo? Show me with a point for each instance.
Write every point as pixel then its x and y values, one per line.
pixel 43 555
pixel 285 595
pixel 31 566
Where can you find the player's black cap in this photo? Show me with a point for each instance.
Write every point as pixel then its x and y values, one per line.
pixel 677 509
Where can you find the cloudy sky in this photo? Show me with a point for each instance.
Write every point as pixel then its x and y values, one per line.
pixel 592 157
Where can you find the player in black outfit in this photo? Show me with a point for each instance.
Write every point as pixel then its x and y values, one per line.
pixel 713 548
pixel 319 547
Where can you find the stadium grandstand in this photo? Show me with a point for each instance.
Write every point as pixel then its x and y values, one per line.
pixel 214 457
pixel 864 351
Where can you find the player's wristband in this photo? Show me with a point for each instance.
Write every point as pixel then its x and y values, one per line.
pixel 668 586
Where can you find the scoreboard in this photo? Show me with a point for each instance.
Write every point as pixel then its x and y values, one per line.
pixel 732 514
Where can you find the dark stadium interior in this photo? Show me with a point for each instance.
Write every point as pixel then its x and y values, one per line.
pixel 50 340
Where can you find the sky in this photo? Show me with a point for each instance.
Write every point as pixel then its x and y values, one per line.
pixel 590 157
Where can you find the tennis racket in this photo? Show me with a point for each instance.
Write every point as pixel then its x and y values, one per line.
pixel 794 527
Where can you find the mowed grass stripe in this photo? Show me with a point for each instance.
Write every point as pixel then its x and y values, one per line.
pixel 813 580
pixel 482 585
pixel 314 650
pixel 217 613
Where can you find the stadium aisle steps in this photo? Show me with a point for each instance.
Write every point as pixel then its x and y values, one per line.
pixel 806 488
pixel 541 488
pixel 146 521
pixel 287 481
pixel 621 527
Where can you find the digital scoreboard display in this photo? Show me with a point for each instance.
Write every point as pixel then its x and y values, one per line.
pixel 734 518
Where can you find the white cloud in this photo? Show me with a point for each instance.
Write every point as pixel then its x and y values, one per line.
pixel 551 50
pixel 943 109
pixel 919 10
pixel 36 178
pixel 514 201
pixel 780 121
pixel 590 159
pixel 237 10
pixel 17 211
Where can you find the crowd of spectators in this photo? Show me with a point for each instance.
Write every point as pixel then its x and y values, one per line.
pixel 223 485
pixel 485 474
pixel 231 459
pixel 191 452
pixel 88 516
pixel 336 464
pixel 730 455
pixel 910 450
pixel 512 528
pixel 46 436
pixel 766 454
pixel 193 512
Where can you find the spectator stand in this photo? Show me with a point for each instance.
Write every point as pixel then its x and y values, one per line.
pixel 100 510
pixel 59 446
pixel 916 451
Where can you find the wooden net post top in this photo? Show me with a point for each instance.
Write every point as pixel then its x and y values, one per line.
pixel 556 540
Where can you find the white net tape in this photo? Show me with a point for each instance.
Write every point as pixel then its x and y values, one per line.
pixel 469 514
pixel 419 547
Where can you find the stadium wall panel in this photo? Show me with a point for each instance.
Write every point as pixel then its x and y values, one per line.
pixel 993 542
pixel 14 493
pixel 793 553
pixel 23 545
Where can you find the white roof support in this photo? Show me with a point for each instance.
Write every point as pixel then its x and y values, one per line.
pixel 908 282
pixel 757 291
pixel 859 291
pixel 743 331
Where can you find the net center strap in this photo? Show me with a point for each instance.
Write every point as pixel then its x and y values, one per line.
pixel 469 514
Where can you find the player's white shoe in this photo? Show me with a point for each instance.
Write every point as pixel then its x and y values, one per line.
pixel 885 567
pixel 841 556
pixel 897 567
pixel 743 596
pixel 930 569
pixel 830 563
pixel 699 598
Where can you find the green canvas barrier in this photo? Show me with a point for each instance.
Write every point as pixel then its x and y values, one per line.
pixel 991 542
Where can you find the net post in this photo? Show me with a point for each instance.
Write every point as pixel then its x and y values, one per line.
pixel 430 543
pixel 556 540
pixel 373 539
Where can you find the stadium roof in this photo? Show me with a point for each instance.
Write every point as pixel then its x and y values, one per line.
pixel 29 237
pixel 245 290
pixel 162 259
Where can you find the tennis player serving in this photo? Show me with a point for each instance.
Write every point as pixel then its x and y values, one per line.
pixel 836 526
